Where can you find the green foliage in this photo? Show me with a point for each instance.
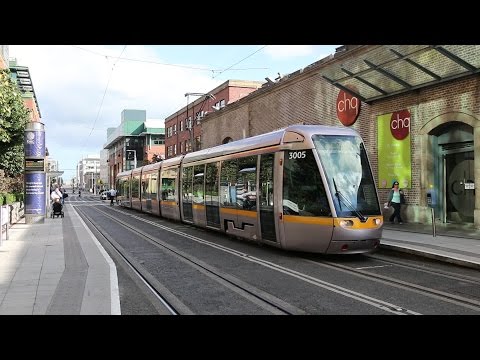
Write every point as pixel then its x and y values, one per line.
pixel 14 116
pixel 10 198
pixel 20 197
pixel 2 198
pixel 12 159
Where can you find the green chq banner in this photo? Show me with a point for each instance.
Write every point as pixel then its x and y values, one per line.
pixel 394 150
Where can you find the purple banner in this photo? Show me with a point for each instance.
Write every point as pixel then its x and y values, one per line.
pixel 34 144
pixel 35 193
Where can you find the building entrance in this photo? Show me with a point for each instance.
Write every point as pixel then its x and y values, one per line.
pixel 459 186
pixel 453 169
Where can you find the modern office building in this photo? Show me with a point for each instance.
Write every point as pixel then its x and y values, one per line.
pixel 88 173
pixel 135 142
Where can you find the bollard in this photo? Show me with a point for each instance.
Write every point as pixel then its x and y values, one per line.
pixel 433 223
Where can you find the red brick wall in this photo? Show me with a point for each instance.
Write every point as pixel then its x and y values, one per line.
pixel 30 104
pixel 230 94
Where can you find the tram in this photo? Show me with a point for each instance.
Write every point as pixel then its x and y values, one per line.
pixel 304 188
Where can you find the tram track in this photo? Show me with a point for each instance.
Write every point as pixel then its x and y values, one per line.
pixel 165 304
pixel 268 302
pixel 372 301
pixel 420 289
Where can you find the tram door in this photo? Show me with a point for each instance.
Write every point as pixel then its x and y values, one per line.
pixel 187 193
pixel 460 187
pixel 266 196
pixel 306 219
pixel 212 196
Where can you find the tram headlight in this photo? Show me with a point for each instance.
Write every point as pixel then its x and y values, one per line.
pixel 378 221
pixel 346 223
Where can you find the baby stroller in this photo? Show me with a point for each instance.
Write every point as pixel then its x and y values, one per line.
pixel 57 209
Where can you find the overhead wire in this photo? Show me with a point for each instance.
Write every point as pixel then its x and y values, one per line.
pixel 245 58
pixel 167 64
pixel 104 93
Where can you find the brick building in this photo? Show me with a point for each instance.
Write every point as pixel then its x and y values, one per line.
pixel 182 137
pixel 417 108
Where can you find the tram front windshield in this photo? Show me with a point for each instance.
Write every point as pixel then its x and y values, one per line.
pixel 348 174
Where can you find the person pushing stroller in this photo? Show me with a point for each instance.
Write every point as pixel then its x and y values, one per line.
pixel 57 208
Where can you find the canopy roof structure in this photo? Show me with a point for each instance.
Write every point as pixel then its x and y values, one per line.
pixel 377 72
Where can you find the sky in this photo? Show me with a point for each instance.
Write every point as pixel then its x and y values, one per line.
pixel 82 89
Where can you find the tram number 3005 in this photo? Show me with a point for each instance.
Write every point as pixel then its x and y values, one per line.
pixel 297 155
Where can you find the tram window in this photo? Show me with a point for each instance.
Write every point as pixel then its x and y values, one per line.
pixel 187 190
pixel 266 180
pixel 169 177
pixel 145 182
pixel 135 187
pixel 347 169
pixel 246 185
pixel 303 189
pixel 153 184
pixel 228 179
pixel 198 176
pixel 211 184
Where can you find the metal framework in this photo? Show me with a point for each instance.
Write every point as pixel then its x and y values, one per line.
pixel 388 70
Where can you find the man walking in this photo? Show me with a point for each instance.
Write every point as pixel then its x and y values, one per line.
pixel 112 193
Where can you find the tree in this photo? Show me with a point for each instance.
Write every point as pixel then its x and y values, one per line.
pixel 156 158
pixel 14 117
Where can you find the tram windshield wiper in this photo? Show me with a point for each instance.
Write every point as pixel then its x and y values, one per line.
pixel 347 202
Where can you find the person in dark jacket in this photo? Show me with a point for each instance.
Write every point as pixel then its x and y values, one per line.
pixel 395 199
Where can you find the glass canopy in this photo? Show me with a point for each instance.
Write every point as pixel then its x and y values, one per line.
pixel 387 70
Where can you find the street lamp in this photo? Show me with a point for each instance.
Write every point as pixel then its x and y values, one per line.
pixel 190 122
pixel 134 158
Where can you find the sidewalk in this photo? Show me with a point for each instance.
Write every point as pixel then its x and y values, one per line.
pixel 458 244
pixel 57 267
pixel 60 268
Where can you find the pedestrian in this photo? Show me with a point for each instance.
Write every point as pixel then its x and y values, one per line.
pixel 396 198
pixel 55 194
pixel 112 194
pixel 62 191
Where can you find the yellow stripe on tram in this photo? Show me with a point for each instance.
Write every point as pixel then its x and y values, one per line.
pixel 169 203
pixel 233 211
pixel 313 220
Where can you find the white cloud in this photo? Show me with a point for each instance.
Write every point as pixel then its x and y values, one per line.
pixel 69 84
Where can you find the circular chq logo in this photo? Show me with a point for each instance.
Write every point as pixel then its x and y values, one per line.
pixel 348 108
pixel 400 124
pixel 30 135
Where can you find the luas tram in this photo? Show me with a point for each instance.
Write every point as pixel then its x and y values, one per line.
pixel 304 188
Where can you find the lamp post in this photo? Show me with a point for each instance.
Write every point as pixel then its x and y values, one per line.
pixel 190 122
pixel 134 158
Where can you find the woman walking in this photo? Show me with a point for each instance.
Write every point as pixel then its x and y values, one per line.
pixel 395 199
